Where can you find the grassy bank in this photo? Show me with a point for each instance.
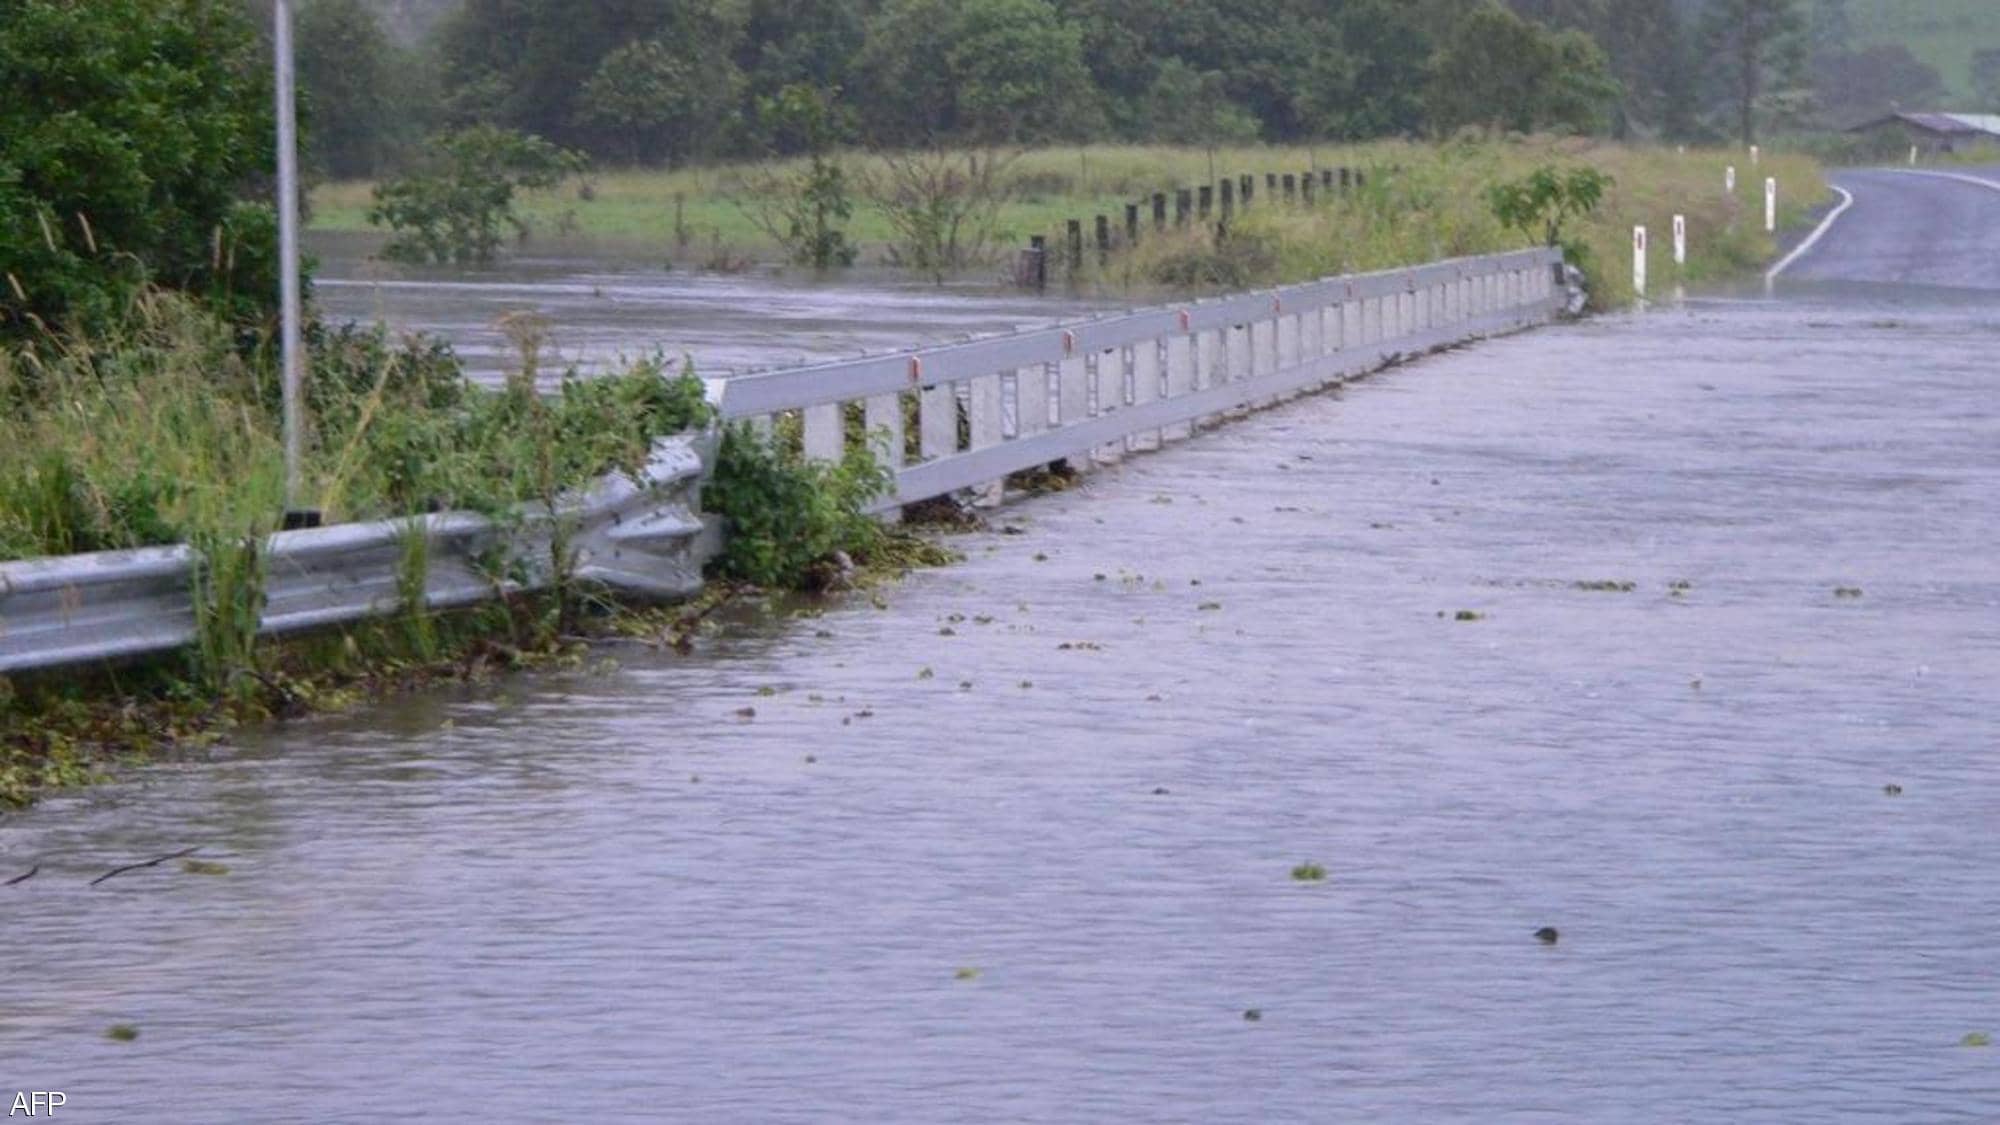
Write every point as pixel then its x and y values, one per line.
pixel 1434 206
pixel 166 429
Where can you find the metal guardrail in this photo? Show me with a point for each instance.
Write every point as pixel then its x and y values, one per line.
pixel 1086 392
pixel 643 539
pixel 991 407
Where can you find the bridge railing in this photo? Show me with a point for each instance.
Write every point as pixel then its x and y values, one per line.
pixel 964 416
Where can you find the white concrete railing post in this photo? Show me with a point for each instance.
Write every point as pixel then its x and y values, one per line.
pixel 1639 261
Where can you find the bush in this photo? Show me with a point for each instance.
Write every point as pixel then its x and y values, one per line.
pixel 456 208
pixel 789 515
pixel 132 135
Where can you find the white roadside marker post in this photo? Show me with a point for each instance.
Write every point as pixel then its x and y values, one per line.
pixel 1770 204
pixel 1729 179
pixel 1680 240
pixel 1754 154
pixel 1639 261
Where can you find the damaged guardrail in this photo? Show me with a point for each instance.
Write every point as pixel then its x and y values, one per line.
pixel 639 538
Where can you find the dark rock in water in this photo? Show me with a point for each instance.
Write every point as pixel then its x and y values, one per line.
pixel 1547 935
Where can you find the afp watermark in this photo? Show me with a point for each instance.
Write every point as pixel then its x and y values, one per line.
pixel 36 1103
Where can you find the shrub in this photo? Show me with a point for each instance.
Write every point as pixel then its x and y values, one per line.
pixel 789 515
pixel 456 208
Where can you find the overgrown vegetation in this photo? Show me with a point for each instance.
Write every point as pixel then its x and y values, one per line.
pixel 791 519
pixel 460 203
pixel 132 137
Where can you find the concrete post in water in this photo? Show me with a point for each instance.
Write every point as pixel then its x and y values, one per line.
pixel 1639 261
pixel 1159 210
pixel 1680 240
pixel 1035 264
pixel 1183 203
pixel 1074 229
pixel 1770 204
pixel 1729 179
pixel 1204 201
pixel 1132 224
pixel 1103 240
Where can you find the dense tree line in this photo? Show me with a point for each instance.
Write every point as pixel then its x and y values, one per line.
pixel 665 81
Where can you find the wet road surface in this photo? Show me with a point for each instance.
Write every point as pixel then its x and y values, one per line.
pixel 1017 845
pixel 602 306
pixel 1926 227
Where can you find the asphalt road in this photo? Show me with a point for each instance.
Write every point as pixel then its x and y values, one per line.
pixel 1938 228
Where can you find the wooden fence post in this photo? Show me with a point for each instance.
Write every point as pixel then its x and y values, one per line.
pixel 1228 199
pixel 1075 231
pixel 1132 224
pixel 1103 240
pixel 1291 187
pixel 1205 200
pixel 1159 210
pixel 1249 185
pixel 1183 203
pixel 1306 188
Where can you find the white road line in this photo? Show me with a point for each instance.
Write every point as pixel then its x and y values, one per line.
pixel 1826 224
pixel 1976 181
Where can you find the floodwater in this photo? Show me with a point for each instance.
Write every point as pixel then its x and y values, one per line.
pixel 1016 844
pixel 599 304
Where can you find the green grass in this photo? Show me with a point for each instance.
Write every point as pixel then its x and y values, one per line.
pixel 1943 33
pixel 1435 208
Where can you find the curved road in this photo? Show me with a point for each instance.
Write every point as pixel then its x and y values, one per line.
pixel 1625 628
pixel 1924 228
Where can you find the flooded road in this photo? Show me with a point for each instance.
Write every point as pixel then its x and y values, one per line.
pixel 1017 845
pixel 602 304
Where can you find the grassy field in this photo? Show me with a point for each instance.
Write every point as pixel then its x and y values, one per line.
pixel 1943 33
pixel 1423 202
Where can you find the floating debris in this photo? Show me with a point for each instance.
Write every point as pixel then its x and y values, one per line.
pixel 1892 790
pixel 121 1033
pixel 1847 591
pixel 1309 873
pixel 1976 1039
pixel 965 972
pixel 1607 586
pixel 746 713
pixel 203 867
pixel 1253 1015
pixel 925 673
pixel 1548 935
pixel 1468 615
pixel 1209 606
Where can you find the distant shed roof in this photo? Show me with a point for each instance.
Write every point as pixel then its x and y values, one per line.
pixel 1947 124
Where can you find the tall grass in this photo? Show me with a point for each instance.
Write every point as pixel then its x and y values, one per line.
pixel 1434 206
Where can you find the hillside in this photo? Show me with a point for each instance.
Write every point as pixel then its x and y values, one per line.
pixel 1943 33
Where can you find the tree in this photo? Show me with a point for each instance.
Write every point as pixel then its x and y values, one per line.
pixel 1191 107
pixel 347 78
pixel 135 136
pixel 1384 90
pixel 1757 49
pixel 1856 86
pixel 806 212
pixel 1501 71
pixel 985 70
pixel 667 101
pixel 524 64
pixel 456 207
pixel 1986 78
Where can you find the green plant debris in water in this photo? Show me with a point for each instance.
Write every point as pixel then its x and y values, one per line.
pixel 203 867
pixel 1468 615
pixel 1976 1039
pixel 1847 591
pixel 121 1033
pixel 1309 873
pixel 965 972
pixel 1607 586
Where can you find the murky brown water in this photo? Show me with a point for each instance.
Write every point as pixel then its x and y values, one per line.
pixel 608 897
